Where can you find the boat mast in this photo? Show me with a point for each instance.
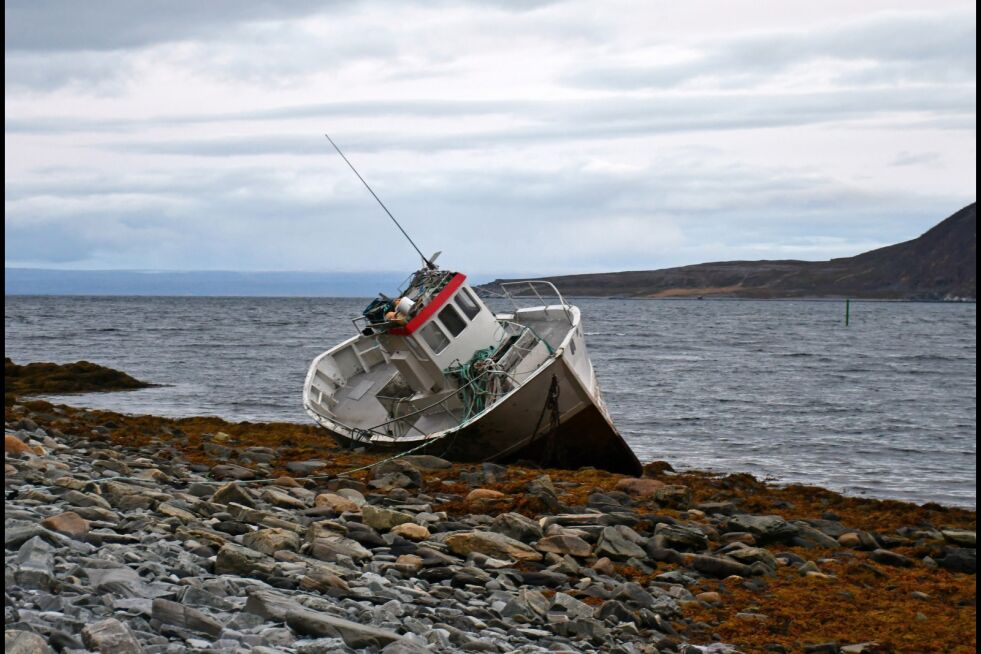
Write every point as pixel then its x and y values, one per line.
pixel 429 263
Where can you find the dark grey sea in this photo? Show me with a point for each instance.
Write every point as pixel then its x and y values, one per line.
pixel 885 407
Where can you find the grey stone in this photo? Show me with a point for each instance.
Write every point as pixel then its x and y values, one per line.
pixel 110 636
pixel 34 564
pixel 750 555
pixel 314 623
pixel 305 467
pixel 808 536
pixel 271 540
pixel 427 462
pixel 891 558
pixel 331 547
pixel 233 493
pixel 961 537
pixel 528 603
pixel 766 528
pixel 270 605
pixel 232 471
pixel 564 544
pixel 172 613
pixel 717 566
pixel 123 582
pixel 680 537
pixel 570 607
pixel 17 641
pixel 517 526
pixel 959 559
pixel 236 559
pixel 383 519
pixel 614 544
pixel 396 467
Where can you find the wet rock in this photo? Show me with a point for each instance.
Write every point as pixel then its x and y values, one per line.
pixel 517 526
pixel 317 624
pixel 615 544
pixel 16 641
pixel 68 523
pixel 959 559
pixel 541 494
pixel 887 557
pixel 491 544
pixel 110 636
pixel 564 544
pixel 492 473
pixel 858 540
pixel 171 613
pixel 870 647
pixel 717 508
pixel 383 519
pixel 961 537
pixel 427 462
pixel 808 536
pixel 766 528
pixel 271 540
pixel 680 537
pixel 716 566
pixel 390 471
pixel 365 535
pixel 303 468
pixel 751 555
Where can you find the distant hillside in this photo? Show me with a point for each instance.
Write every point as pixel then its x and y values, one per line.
pixel 940 264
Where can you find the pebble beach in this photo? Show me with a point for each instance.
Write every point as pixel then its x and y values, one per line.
pixel 158 535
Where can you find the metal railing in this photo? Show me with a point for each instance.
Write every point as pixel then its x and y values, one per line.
pixel 532 285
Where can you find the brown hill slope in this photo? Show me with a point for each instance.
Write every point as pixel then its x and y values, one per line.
pixel 940 264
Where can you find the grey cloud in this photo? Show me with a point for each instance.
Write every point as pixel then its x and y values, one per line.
pixel 896 48
pixel 476 216
pixel 917 159
pixel 121 24
pixel 606 119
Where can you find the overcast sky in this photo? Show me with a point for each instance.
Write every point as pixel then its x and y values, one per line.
pixel 517 137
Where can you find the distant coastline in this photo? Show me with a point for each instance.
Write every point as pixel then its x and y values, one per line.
pixel 940 265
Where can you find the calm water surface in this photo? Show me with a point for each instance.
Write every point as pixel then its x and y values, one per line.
pixel 885 407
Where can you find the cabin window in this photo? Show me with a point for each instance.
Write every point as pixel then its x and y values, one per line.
pixel 434 337
pixel 452 320
pixel 467 304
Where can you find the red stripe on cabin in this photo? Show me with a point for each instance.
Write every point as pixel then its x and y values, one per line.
pixel 434 305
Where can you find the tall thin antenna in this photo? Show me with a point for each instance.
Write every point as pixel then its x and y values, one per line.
pixel 429 263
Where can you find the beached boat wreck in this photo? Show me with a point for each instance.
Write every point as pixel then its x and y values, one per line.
pixel 435 371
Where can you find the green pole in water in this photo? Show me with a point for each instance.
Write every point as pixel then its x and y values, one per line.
pixel 847 310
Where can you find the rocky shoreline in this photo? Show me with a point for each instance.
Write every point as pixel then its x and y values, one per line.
pixel 142 534
pixel 145 534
